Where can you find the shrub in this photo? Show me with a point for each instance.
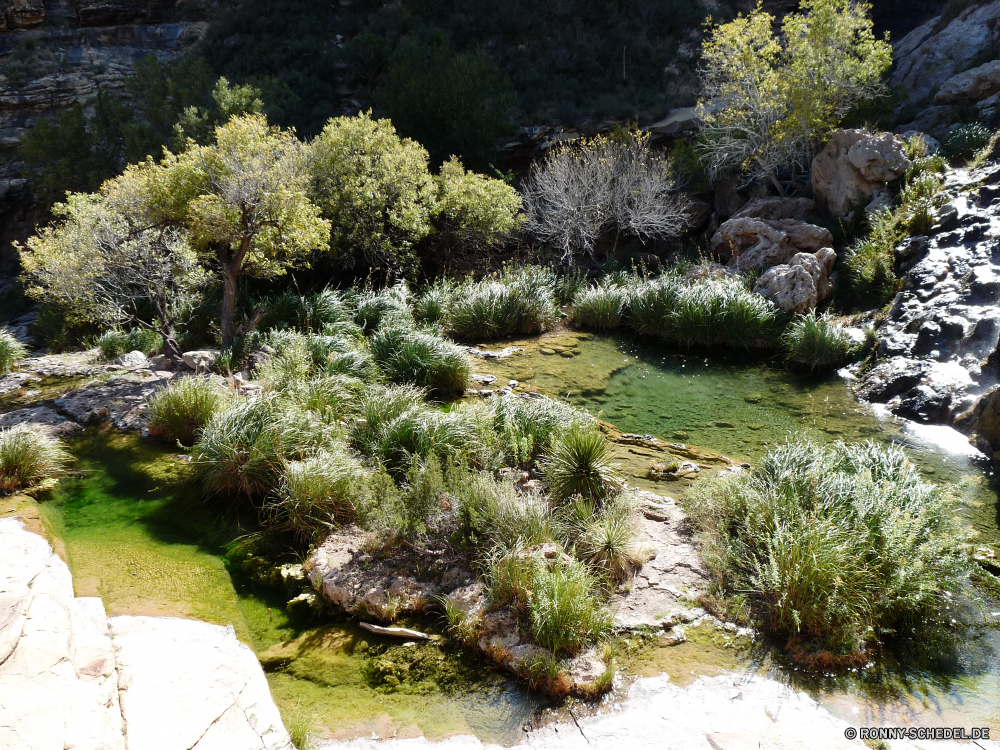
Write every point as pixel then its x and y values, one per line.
pixel 495 517
pixel 11 350
pixel 966 140
pixel 28 457
pixel 317 493
pixel 514 302
pixel 182 409
pixel 472 209
pixel 579 463
pixel 871 261
pixel 919 199
pixel 835 548
pixel 817 343
pixel 323 311
pixel 407 356
pixel 564 613
pixel 243 448
pixel 331 397
pixel 604 539
pixel 601 307
pixel 390 304
pixel 528 426
pixel 724 313
pixel 116 343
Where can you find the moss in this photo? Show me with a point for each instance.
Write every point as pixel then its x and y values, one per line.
pixel 706 651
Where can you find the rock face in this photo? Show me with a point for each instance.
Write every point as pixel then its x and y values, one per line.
pixel 854 165
pixel 72 678
pixel 801 284
pixel 929 55
pixel 971 86
pixel 120 400
pixel 944 322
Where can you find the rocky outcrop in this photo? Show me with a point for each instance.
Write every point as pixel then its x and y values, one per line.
pixel 932 54
pixel 802 283
pixel 944 322
pixel 855 165
pixel 122 401
pixel 72 678
pixel 971 86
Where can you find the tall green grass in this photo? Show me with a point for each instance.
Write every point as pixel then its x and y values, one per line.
pixel 517 301
pixel 11 350
pixel 423 359
pixel 115 343
pixel 817 343
pixel 837 549
pixel 182 409
pixel 565 613
pixel 28 457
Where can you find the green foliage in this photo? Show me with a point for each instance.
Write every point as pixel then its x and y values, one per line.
pixel 180 411
pixel 11 350
pixel 115 343
pixel 601 307
pixel 28 458
pixel 871 261
pixel 837 549
pixel 965 140
pixel 515 301
pixel 317 493
pixel 454 104
pixel 564 612
pixel 919 199
pixel 423 359
pixel 579 463
pixel 472 210
pixel 817 343
pixel 390 306
pixel 768 99
pixel 604 537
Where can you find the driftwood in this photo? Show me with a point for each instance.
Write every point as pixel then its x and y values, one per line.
pixel 394 632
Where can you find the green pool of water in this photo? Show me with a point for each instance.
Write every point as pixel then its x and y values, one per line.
pixel 135 534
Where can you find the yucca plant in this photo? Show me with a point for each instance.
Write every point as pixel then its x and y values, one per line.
pixel 579 463
pixel 11 350
pixel 28 457
pixel 817 343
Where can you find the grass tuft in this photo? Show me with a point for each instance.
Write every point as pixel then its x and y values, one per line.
pixel 579 463
pixel 28 458
pixel 182 409
pixel 11 350
pixel 817 343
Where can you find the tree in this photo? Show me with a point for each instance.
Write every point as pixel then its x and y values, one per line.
pixel 239 204
pixel 473 209
pixel 767 101
pixel 102 266
pixel 585 188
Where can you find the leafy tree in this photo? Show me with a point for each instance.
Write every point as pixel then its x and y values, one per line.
pixel 451 103
pixel 100 264
pixel 239 204
pixel 382 201
pixel 767 101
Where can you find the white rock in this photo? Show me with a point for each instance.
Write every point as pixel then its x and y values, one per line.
pixel 133 361
pixel 201 360
pixel 791 288
pixel 854 164
pixel 971 86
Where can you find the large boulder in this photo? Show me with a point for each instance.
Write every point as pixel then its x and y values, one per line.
pixel 790 287
pixel 133 361
pixel 855 164
pixel 201 360
pixel 776 208
pixel 981 422
pixel 929 56
pixel 970 86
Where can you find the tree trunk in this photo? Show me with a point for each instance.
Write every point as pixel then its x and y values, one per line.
pixel 230 272
pixel 170 346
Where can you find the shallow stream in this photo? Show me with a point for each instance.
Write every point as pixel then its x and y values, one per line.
pixel 135 535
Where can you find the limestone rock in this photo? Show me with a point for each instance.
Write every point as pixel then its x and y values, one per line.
pixel 855 164
pixel 132 361
pixel 927 57
pixel 201 360
pixel 43 419
pixel 776 208
pixel 121 400
pixel 790 287
pixel 188 684
pixel 970 86
pixel 981 422
pixel 934 120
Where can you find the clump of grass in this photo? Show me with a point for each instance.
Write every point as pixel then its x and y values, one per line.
pixel 965 140
pixel 331 397
pixel 919 198
pixel 391 304
pixel 432 306
pixel 11 350
pixel 651 305
pixel 428 361
pixel 835 548
pixel 524 428
pixel 565 613
pixel 579 463
pixel 115 343
pixel 515 302
pixel 182 409
pixel 817 343
pixel 316 494
pixel 601 307
pixel 509 576
pixel 872 262
pixel 28 458
pixel 604 538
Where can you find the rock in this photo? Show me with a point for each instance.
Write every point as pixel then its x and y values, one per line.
pixel 759 243
pixel 931 145
pixel 111 12
pixel 679 121
pixel 585 669
pixel 855 164
pixel 132 361
pixel 971 86
pixel 926 404
pixel 981 422
pixel 891 378
pixel 935 120
pixel 162 362
pixel 260 358
pixel 43 419
pixel 928 57
pixel 188 684
pixel 201 360
pixel 121 400
pixel 776 208
pixel 24 14
pixel 792 288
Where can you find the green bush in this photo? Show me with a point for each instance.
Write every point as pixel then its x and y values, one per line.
pixel 872 262
pixel 425 360
pixel 965 140
pixel 515 302
pixel 601 307
pixel 182 409
pixel 27 458
pixel 919 198
pixel 564 612
pixel 116 343
pixel 836 549
pixel 526 427
pixel 316 494
pixel 579 463
pixel 817 343
pixel 11 350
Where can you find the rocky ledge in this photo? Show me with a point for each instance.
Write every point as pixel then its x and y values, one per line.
pixel 70 677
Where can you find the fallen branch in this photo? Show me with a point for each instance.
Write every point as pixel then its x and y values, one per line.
pixel 395 632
